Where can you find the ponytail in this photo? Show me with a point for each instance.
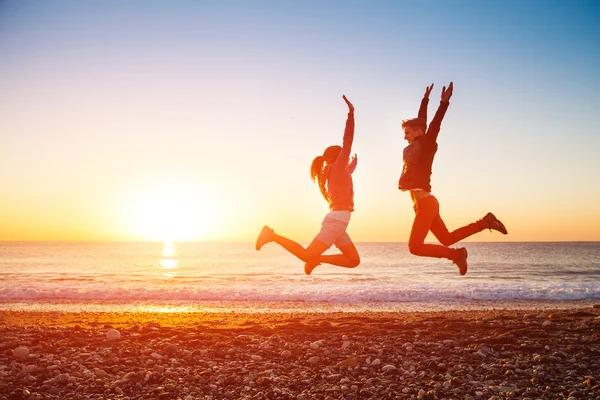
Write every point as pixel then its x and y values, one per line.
pixel 316 172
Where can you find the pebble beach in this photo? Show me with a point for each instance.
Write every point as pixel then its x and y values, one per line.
pixel 457 354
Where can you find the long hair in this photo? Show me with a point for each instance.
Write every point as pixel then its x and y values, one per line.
pixel 317 168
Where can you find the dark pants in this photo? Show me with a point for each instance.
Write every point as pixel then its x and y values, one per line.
pixel 427 218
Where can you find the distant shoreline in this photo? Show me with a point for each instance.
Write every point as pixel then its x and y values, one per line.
pixel 287 307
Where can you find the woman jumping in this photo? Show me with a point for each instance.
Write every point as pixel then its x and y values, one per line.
pixel 333 172
pixel 416 177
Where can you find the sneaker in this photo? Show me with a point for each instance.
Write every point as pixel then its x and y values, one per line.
pixel 311 265
pixel 461 260
pixel 264 237
pixel 494 223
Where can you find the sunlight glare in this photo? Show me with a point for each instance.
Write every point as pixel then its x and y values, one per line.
pixel 169 263
pixel 168 250
pixel 171 214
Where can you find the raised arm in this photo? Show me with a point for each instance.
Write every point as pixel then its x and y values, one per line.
pixel 348 135
pixel 436 122
pixel 423 109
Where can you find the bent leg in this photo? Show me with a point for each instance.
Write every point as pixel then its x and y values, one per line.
pixel 427 211
pixel 315 249
pixel 349 257
pixel 439 230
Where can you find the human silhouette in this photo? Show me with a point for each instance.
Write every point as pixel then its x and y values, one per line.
pixel 333 172
pixel 416 179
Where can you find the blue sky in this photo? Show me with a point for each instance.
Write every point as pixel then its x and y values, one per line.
pixel 236 98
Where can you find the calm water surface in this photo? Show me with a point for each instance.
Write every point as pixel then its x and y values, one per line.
pixel 193 275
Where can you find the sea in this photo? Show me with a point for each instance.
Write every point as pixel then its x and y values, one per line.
pixel 203 276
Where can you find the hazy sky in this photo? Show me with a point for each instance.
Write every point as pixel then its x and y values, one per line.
pixel 127 120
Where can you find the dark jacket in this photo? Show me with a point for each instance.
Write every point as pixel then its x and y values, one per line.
pixel 418 156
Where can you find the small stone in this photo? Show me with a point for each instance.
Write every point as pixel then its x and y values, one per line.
pixel 376 362
pixel 286 354
pixel 314 360
pixel 159 368
pixel 314 346
pixel 101 373
pixel 113 334
pixel 547 323
pixel 350 362
pixel 388 367
pixel 170 349
pixel 21 352
pixel 256 358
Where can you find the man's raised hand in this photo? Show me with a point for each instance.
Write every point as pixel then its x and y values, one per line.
pixel 447 93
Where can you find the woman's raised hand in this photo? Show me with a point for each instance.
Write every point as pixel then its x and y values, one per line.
pixel 350 106
pixel 428 91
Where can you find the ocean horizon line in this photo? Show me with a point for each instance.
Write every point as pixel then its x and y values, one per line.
pixel 301 241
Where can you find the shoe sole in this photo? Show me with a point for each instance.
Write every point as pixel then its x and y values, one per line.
pixel 263 237
pixel 500 226
pixel 466 266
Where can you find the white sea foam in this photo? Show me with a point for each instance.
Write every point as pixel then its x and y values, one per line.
pixel 313 292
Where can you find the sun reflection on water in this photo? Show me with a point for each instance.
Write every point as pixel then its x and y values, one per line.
pixel 168 262
pixel 168 249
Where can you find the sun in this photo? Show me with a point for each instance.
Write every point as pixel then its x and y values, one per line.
pixel 171 213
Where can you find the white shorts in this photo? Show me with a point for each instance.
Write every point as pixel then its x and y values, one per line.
pixel 333 229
